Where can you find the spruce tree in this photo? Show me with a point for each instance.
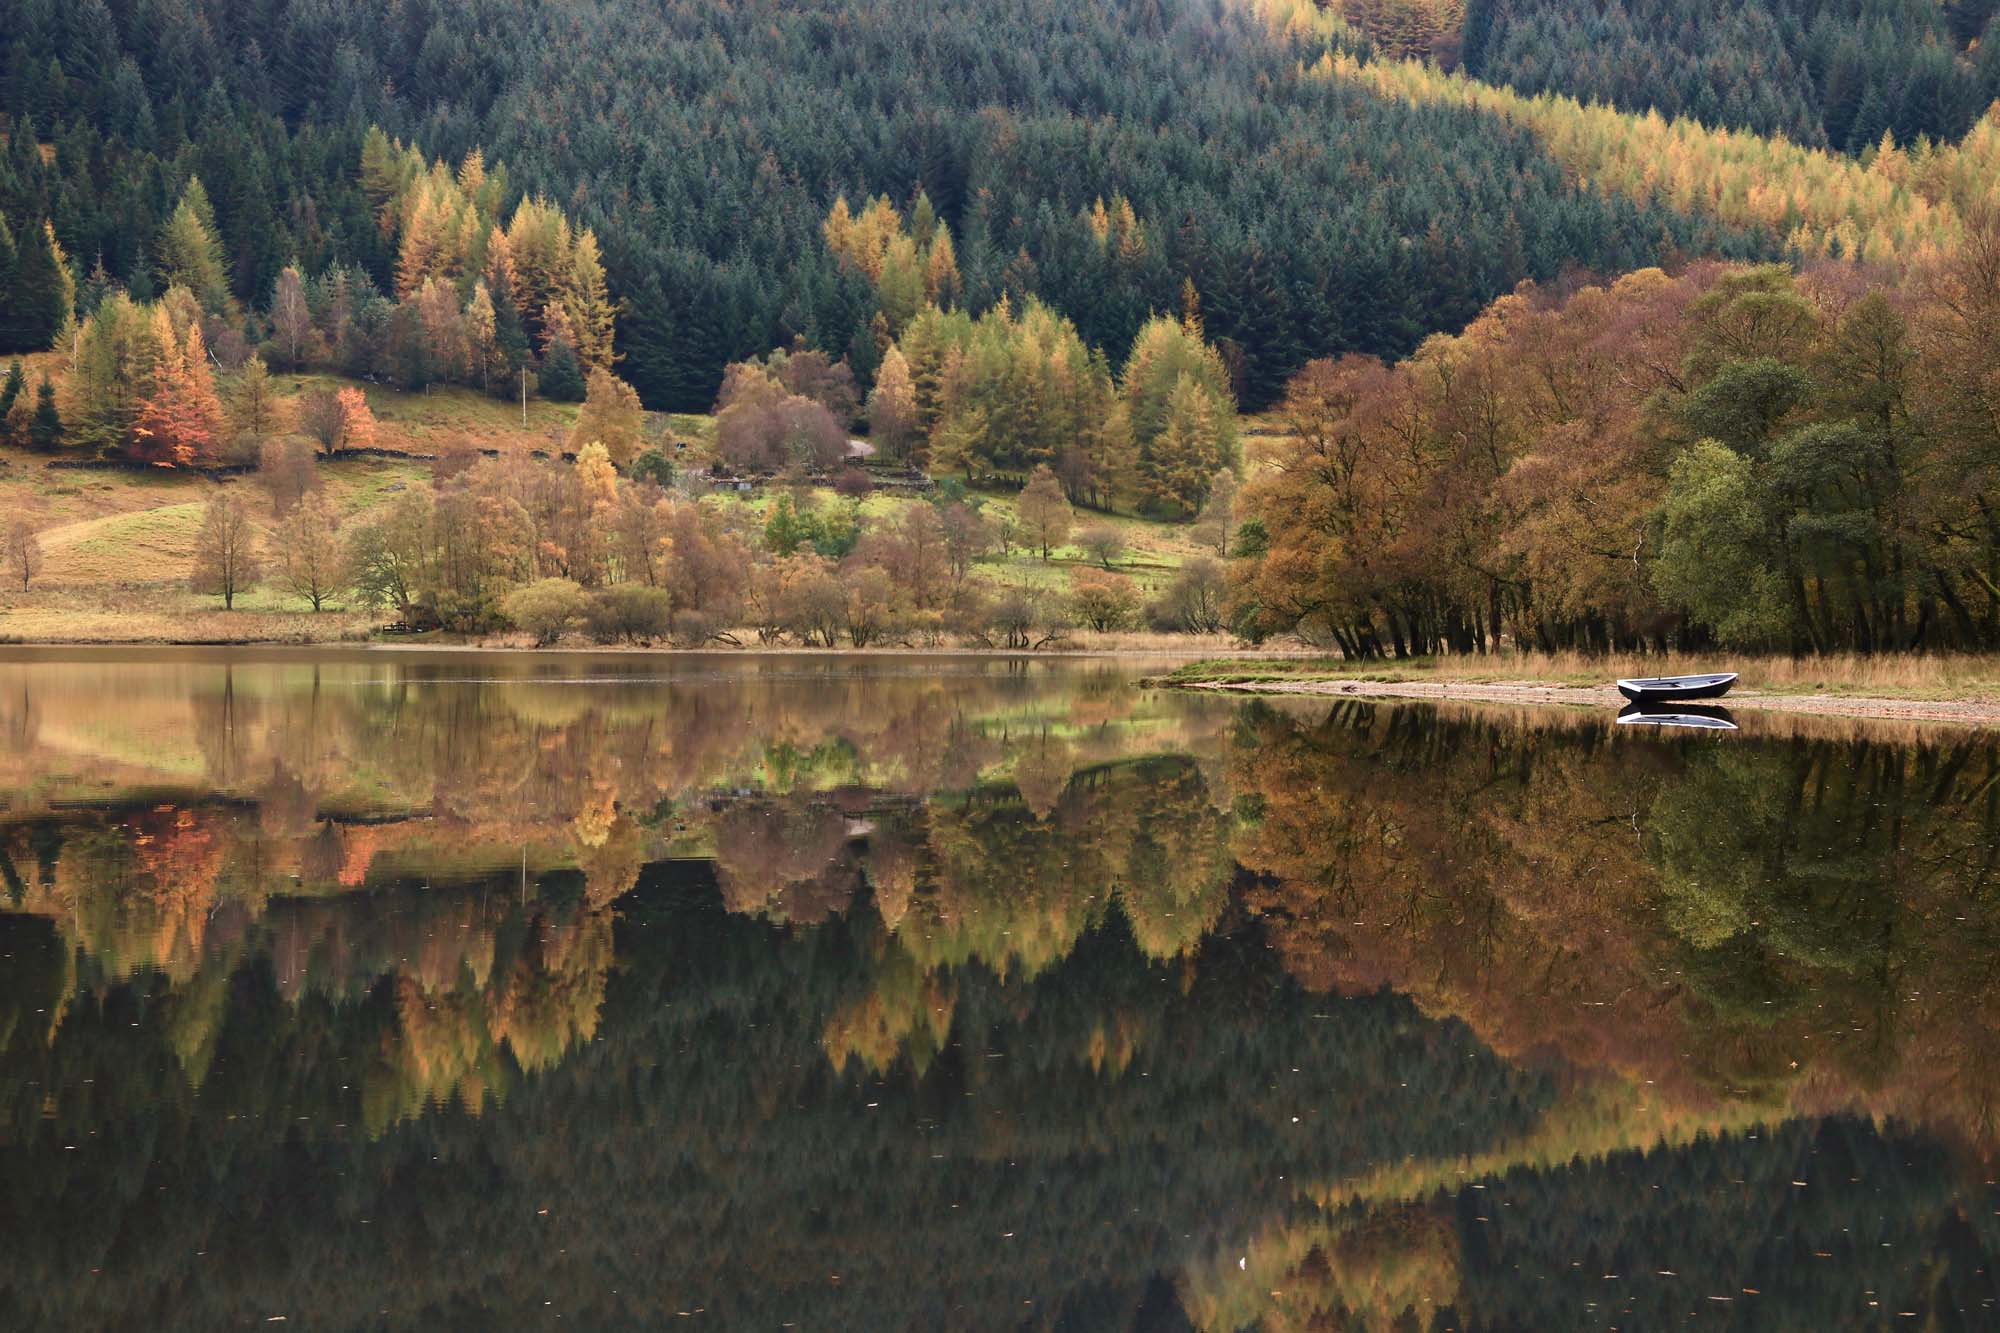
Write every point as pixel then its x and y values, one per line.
pixel 11 391
pixel 38 303
pixel 45 431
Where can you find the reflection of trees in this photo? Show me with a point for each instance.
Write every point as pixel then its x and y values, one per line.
pixel 701 1148
pixel 1806 923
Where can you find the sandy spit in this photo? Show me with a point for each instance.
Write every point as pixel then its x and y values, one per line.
pixel 1978 711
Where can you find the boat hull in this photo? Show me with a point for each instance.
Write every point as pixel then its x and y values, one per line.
pixel 1677 689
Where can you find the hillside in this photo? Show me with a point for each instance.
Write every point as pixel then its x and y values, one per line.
pixel 1822 73
pixel 703 144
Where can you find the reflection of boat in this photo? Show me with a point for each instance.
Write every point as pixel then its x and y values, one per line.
pixel 1701 719
pixel 1673 689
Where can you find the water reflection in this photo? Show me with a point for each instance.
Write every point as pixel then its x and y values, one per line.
pixel 953 993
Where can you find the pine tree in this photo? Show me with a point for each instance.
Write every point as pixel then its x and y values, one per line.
pixel 561 378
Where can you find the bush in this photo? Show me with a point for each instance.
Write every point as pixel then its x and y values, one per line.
pixel 632 612
pixel 692 629
pixel 1193 602
pixel 546 608
pixel 851 483
pixel 654 466
pixel 1103 601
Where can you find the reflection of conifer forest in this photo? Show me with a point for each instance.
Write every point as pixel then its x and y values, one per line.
pixel 332 987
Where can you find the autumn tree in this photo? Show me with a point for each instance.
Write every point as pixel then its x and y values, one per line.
pixel 181 417
pixel 188 253
pixel 1216 529
pixel 1044 511
pixel 288 470
pixel 1195 601
pixel 253 400
pixel 892 406
pixel 610 416
pixel 22 552
pixel 291 318
pixel 225 549
pixel 311 559
pixel 337 418
pixel 762 427
pixel 1102 542
pixel 1102 600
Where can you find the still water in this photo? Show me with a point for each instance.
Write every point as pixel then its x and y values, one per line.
pixel 398 990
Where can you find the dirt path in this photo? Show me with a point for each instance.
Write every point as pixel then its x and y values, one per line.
pixel 1982 711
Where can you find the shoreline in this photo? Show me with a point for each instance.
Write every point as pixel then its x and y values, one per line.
pixel 1979 711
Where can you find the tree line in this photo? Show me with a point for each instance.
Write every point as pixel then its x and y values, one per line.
pixel 554 548
pixel 1769 459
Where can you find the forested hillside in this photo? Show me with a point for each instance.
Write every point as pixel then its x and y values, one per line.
pixel 1823 73
pixel 704 145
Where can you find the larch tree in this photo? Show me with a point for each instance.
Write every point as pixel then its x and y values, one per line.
pixel 181 417
pixel 188 252
pixel 225 550
pixel 253 400
pixel 610 416
pixel 1176 467
pixel 482 336
pixel 592 314
pixel 357 423
pixel 1044 511
pixel 892 406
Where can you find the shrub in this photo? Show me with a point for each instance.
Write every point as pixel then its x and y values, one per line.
pixel 1193 602
pixel 692 629
pixel 851 482
pixel 632 612
pixel 546 608
pixel 1103 601
pixel 654 466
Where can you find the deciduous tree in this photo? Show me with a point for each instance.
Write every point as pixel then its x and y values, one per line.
pixel 1044 511
pixel 225 549
pixel 311 559
pixel 23 552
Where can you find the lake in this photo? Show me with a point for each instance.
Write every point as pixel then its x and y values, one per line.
pixel 426 990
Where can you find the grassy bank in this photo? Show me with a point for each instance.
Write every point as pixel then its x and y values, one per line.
pixel 1896 676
